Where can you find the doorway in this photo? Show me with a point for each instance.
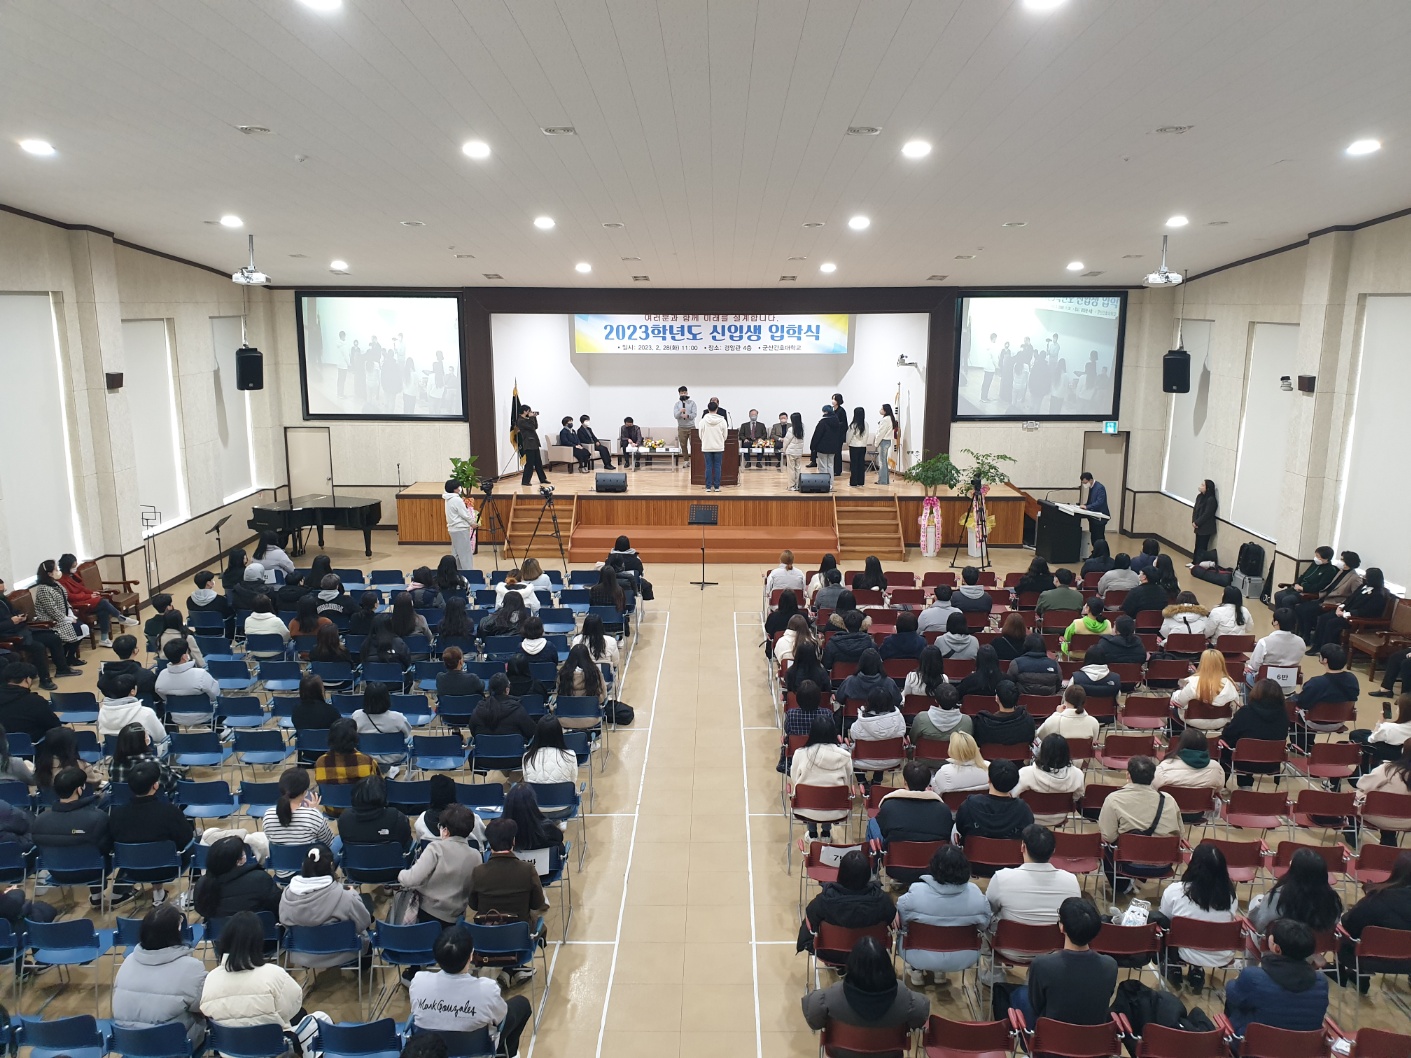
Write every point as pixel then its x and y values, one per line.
pixel 1105 458
pixel 308 456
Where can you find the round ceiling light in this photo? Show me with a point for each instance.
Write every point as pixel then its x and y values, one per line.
pixel 583 266
pixel 1075 266
pixel 41 148
pixel 828 266
pixel 543 223
pixel 859 222
pixel 916 149
pixel 476 149
pixel 1358 147
pixel 1178 221
pixel 230 220
pixel 338 266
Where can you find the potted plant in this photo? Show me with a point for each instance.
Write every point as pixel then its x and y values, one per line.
pixel 934 472
pixel 465 472
pixel 986 467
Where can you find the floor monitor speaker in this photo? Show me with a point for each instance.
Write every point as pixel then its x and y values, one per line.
pixel 607 482
pixel 815 482
pixel 249 368
pixel 1176 372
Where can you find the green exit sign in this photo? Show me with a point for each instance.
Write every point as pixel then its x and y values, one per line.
pixel 1110 426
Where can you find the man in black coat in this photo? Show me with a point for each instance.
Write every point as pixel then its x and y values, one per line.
pixel 847 645
pixel 527 429
pixel 590 440
pixel 147 818
pixel 33 642
pixel 1147 595
pixel 1120 647
pixel 75 821
pixel 21 709
pixel 827 440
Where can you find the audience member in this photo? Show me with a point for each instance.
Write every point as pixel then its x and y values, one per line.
pixel 314 898
pixel 1316 576
pixel 831 590
pixel 1101 685
pixel 33 643
pixel 1011 725
pixel 915 813
pixel 1138 807
pixel 1230 618
pixel 1036 580
pixel 806 669
pixel 1184 616
pixel 869 677
pixel 344 764
pixel 1263 717
pixel 784 576
pixel 182 675
pixel 601 646
pixel 1392 776
pixel 1071 719
pixel 906 642
pixel 377 717
pixel 1344 583
pixel 1061 596
pixel 147 818
pixel 971 596
pixel 964 770
pixel 880 720
pixel 533 829
pixel 1281 648
pixel 1034 671
pixel 123 707
pixel 936 615
pixel 370 821
pixel 75 821
pixel 957 642
pixel 1206 894
pixel 869 994
pixel 547 759
pixel 1053 772
pixel 454 999
pixel 1074 985
pixel 244 990
pixel 854 901
pixel 124 647
pixel 1147 595
pixel 1032 893
pixel 1146 558
pixel 1013 633
pixel 986 678
pixel 500 714
pixel 997 813
pixel 1387 904
pixel 454 680
pixel 849 644
pixel 14 768
pixel 262 621
pixel 441 875
pixel 133 746
pixel 1187 764
pixel 1090 622
pixel 505 883
pixel 1122 646
pixel 251 586
pixel 1121 577
pixel 307 620
pixel 295 819
pixel 22 710
pixel 160 980
pixel 945 897
pixel 1284 991
pixel 1368 602
pixel 1210 684
pixel 233 882
pixel 822 761
pixel 1302 895
pixel 580 676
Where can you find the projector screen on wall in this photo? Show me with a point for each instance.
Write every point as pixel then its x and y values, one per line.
pixel 1039 356
pixel 377 356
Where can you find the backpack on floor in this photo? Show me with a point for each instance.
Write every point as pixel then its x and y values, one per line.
pixel 620 714
pixel 1251 560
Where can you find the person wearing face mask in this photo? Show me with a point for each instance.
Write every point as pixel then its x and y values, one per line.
pixel 1345 583
pixel 778 437
pixel 589 439
pixel 752 434
pixel 1314 580
pixel 684 412
pixel 568 437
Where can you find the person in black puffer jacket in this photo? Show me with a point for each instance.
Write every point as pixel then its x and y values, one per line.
pixel 15 825
pixel 234 882
pixel 499 714
pixel 1148 595
pixel 1387 905
pixel 854 901
pixel 370 821
pixel 1034 671
pixel 1120 647
pixel 1264 716
pixel 1011 725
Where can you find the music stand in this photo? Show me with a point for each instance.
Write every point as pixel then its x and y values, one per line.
pixel 704 514
pixel 216 529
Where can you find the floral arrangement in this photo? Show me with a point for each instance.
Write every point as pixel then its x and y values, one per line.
pixel 930 522
pixel 653 445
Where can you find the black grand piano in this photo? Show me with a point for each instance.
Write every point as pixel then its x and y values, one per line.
pixel 289 518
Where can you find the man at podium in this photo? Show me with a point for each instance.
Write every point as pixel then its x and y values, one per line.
pixel 1097 503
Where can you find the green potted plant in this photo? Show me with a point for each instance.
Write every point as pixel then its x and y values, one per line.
pixel 465 472
pixel 985 466
pixel 934 472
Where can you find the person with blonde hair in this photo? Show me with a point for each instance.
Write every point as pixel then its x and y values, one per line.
pixel 1210 684
pixel 964 770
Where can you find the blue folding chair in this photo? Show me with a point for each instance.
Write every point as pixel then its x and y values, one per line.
pixel 64 866
pixel 582 747
pixel 282 709
pixel 377 864
pixel 486 598
pixel 206 800
pixel 273 934
pixel 511 947
pixel 266 646
pixel 71 943
pixel 484 669
pixel 409 795
pixel 16 793
pixel 424 674
pixel 311 742
pixel 217 648
pixel 14 862
pixel 585 578
pixel 369 1039
pixel 200 749
pixel 191 710
pixel 534 704
pixel 562 802
pixel 472 576
pixel 337 795
pixel 387 578
pixel 12 955
pixel 415 707
pixel 276 676
pixel 388 672
pixel 128 934
pixel 557 876
pixel 497 753
pixel 438 752
pixel 583 713
pixel 546 672
pixel 384 748
pixel 261 748
pixel 613 621
pixel 575 599
pixel 486 799
pixel 477 1044
pixel 21 745
pixel 258 797
pixel 205 622
pixel 80 1036
pixel 309 945
pixel 351 643
pixel 398 947
pixel 335 674
pixel 502 648
pixel 231 675
pixel 347 704
pixel 151 862
pixel 419 647
pixel 75 707
pixel 160 1041
pixel 465 644
pixel 351 578
pixel 560 620
pixel 250 1041
pixel 433 617
pixel 240 712
pixel 286 860
pixel 455 709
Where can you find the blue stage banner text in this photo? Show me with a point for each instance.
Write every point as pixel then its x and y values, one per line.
pixel 710 334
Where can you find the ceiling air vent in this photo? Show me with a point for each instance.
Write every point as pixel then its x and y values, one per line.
pixel 252 130
pixel 493 275
pixel 641 279
pixel 1174 130
pixel 788 279
pixel 864 130
pixel 1089 275
pixel 936 279
pixel 965 257
pixel 465 256
pixel 559 130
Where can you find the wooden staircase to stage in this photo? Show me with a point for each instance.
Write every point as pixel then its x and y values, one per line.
pixel 520 522
pixel 868 526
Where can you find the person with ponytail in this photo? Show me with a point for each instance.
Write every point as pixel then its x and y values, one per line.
pixel 314 898
pixel 233 882
pixel 295 818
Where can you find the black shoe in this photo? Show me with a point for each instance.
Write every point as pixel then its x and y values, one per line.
pixel 1195 979
pixel 78 661
pixel 66 672
pixel 1381 694
pixel 48 685
pixel 1174 976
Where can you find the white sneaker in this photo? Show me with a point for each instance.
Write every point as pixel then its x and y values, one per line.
pixel 159 897
pixel 130 622
pixel 393 772
pixel 918 977
pixel 106 641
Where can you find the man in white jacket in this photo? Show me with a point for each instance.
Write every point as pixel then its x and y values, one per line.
pixel 460 523
pixel 182 676
pixel 124 707
pixel 454 999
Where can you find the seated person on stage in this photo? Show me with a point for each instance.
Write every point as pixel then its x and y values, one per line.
pixel 971 596
pixel 997 813
pixel 630 434
pixel 1076 984
pixel 752 433
pixel 568 437
pixel 778 436
pixel 1011 725
pixel 589 439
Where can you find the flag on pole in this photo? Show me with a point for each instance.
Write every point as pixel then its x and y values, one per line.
pixel 515 410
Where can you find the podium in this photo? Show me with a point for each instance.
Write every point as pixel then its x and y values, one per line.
pixel 1058 537
pixel 729 466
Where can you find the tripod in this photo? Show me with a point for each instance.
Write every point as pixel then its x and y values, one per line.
pixel 493 524
pixel 982 528
pixel 552 512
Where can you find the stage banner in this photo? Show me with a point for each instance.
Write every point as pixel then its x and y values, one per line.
pixel 710 334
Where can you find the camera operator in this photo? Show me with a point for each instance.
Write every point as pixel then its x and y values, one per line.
pixel 530 445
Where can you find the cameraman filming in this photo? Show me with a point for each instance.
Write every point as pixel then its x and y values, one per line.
pixel 530 445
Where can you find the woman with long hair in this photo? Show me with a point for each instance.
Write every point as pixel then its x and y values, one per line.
pixel 295 818
pixel 448 578
pixel 986 678
pixel 547 758
pixel 90 606
pixel 52 605
pixel 320 567
pixel 377 717
pixel 594 636
pixel 307 620
pixel 1212 685
pixel 133 746
pixel 314 898
pixel 58 751
pixel 1230 618
pixel 246 990
pixel 1164 574
pixel 269 554
pixel 965 768
pixel 360 621
pixel 579 676
pixel 233 883
pixel 1368 601
pixel 235 562
pixel 1036 580
pixel 384 644
pixel 869 995
pixel 1391 776
pixel 1387 904
pixel 535 830
pixel 883 438
pixel 1099 560
pixel 328 645
pixel 15 768
pixel 1203 512
pixel 1302 894
pixel 871 577
pixel 1204 892
pixel 806 666
pixel 795 448
pixel 821 761
pixel 607 591
pixel 405 620
pixel 795 633
pixel 780 618
pixel 455 625
pixel 1187 763
pixel 523 682
pixel 826 563
pixel 1009 644
pixel 506 620
pixel 857 441
pixel 312 710
pixel 929 674
pixel 1053 771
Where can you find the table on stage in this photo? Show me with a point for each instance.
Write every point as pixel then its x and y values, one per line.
pixel 730 465
pixel 651 453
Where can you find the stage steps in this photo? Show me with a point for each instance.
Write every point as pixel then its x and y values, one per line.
pixel 868 526
pixel 522 518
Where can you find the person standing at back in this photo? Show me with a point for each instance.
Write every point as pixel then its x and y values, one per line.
pixel 713 430
pixel 460 523
pixel 529 446
pixel 1097 503
pixel 1203 512
pixel 684 412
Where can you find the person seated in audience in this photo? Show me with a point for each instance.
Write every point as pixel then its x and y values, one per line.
pixel 971 596
pixel 454 680
pixel 124 647
pixel 159 982
pixel 796 633
pixel 606 592
pixel 1071 719
pixel 1345 582
pixel 1284 990
pixel 155 625
pixel 1281 648
pixel 244 990
pixel 806 668
pixel 1034 671
pixel 826 598
pixel 523 682
pixel 314 898
pixel 174 630
pixel 534 829
pixel 871 577
pixel 906 641
pixel 957 642
pixel 849 644
pixel 547 759
pixel 269 554
pixel 1302 895
pixel 869 677
pixel 1335 684
pixel 1099 559
pixel 1391 776
pixel 385 645
pixel 879 720
pixel 965 770
pixel 133 746
pixel 1032 893
pixel 1140 808
pixel 855 901
pixel 1385 741
pixel 944 897
pixel 360 623
pixel 798 720
pixel 1314 580
pixel 1010 725
pixel 847 603
pixel 295 819
pixel 1230 618
pixel 1053 771
pixel 935 616
pixel 377 717
pixel 1121 577
pixel 456 628
pixel 441 875
pixel 250 588
pixel 785 575
pixel 1368 602
pixel 146 818
pixel 822 761
pixel 1185 617
pixel 1090 622
pixel 1165 577
pixel 1037 579
pixel 512 585
pixel 205 599
pixel 1073 985
pixel 455 999
pixel 448 581
pixel 997 813
pixel 1100 684
pixel 1061 596
pixel 320 567
pixel 56 754
pixel 1264 717
pixel 422 588
pixel 602 648
pixel 1122 646
pixel 124 707
pixel 183 675
pixel 819 579
pixel 534 645
pixel 370 821
pixel 915 813
pixel 580 676
pixel 264 621
pixel 14 769
pixel 1187 763
pixel 568 438
pixel 1211 684
pixel 427 825
pixel 505 883
pixel 868 996
pixel 22 709
pixel 1388 905
pixel 343 764
pixel 1013 633
pixel 943 717
pixel 287 595
pixel 1146 558
pixel 328 647
pixel 307 620
pixel 500 714
pixel 1147 595
pixel 929 674
pixel 90 607
pixel 986 678
pixel 233 882
pixel 333 599
pixel 405 620
pixel 312 711
pixel 1204 893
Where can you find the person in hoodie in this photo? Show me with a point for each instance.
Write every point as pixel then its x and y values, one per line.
pixel 1263 717
pixel 906 641
pixel 1053 771
pixel 124 647
pixel 957 642
pixel 971 596
pixel 1284 991
pixel 997 813
pixel 915 813
pixel 1090 622
pixel 944 896
pixel 869 994
pixel 500 714
pixel 22 709
pixel 1185 616
pixel 262 620
pixel 880 720
pixel 287 595
pixel 333 600
pixel 1101 685
pixel 1061 596
pixel 370 821
pixel 534 645
pixel 850 644
pixel 869 677
pixel 1010 725
pixel 935 616
pixel 206 599
pixel 1147 595
pixel 160 980
pixel 233 882
pixel 1034 671
pixel 1120 647
pixel 75 821
pixel 1187 764
pixel 943 718
pixel 250 588
pixel 123 707
pixel 314 898
pixel 1121 577
pixel 1387 905
pixel 855 901
pixel 182 675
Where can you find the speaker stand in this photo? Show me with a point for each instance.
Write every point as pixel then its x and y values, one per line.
pixel 704 514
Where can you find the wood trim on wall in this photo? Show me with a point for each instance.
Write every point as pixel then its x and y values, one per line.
pixel 940 377
pixel 478 370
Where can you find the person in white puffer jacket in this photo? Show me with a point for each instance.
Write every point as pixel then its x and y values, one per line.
pixel 244 990
pixel 1053 771
pixel 161 981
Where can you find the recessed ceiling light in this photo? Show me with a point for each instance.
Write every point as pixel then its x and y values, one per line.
pixel 42 148
pixel 641 279
pixel 475 149
pixel 798 258
pixel 864 130
pixel 558 130
pixel 1043 5
pixel 1014 224
pixel 230 220
pixel 936 278
pixel 322 6
pixel 252 130
pixel 1178 221
pixel 828 266
pixel 859 222
pixel 1076 266
pixel 583 267
pixel 813 224
pixel 788 279
pixel 543 223
pixel 965 257
pixel 338 266
pixel 613 224
pixel 413 223
pixel 916 148
pixel 1216 223
pixel 631 258
pixel 1357 147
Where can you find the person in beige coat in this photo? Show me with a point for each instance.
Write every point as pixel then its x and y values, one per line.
pixel 1072 719
pixel 244 990
pixel 821 762
pixel 1053 771
pixel 1188 764
pixel 1392 777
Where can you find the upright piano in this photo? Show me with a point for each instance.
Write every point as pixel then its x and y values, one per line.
pixel 289 518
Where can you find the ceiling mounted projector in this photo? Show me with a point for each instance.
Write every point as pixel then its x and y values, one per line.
pixel 1163 277
pixel 250 276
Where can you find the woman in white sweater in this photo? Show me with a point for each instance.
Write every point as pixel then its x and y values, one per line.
pixel 547 759
pixel 882 438
pixel 1210 684
pixel 1204 892
pixel 244 990
pixel 1230 618
pixel 1053 771
pixel 601 646
pixel 797 632
pixel 1072 719
pixel 822 761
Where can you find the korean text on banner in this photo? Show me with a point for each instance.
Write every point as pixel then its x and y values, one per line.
pixel 711 334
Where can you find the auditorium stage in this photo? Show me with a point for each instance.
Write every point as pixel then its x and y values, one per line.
pixel 757 518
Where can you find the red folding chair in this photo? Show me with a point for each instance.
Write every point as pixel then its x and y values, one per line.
pixel 913 705
pixel 931 750
pixel 1168 671
pixel 1147 853
pixel 906 861
pixel 1064 1040
pixel 1130 942
pixel 820 865
pixel 1258 756
pixel 1080 750
pixel 1041 706
pixel 1158 1041
pixel 1332 718
pixel 932 577
pixel 1213 938
pixel 1019 753
pixel 1185 643
pixel 1055 806
pixel 1380 1043
pixel 1197 711
pixel 831 799
pixel 1265 1041
pixel 1381 946
pixel 873 803
pixel 1256 809
pixel 900 668
pixel 840 1040
pixel 1231 646
pixel 1387 811
pixel 992 854
pixel 1018 944
pixel 1117 750
pixel 1090 804
pixel 974 704
pixel 833 944
pixel 1077 853
pixel 1243 859
pixel 1144 712
pixel 957 668
pixel 1196 803
pixel 1057 620
pixel 1330 760
pixel 1130 672
pixel 1324 809
pixel 893 749
pixel 1148 620
pixel 1115 598
pixel 1332 855
pixel 906 596
pixel 919 937
pixel 943 1038
pixel 1027 600
pixel 1371 865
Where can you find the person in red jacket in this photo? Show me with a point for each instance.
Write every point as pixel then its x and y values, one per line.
pixel 89 606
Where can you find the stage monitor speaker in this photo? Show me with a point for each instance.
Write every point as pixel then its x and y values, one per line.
pixel 610 482
pixel 249 368
pixel 815 482
pixel 1176 372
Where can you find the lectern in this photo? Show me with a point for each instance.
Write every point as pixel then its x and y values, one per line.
pixel 729 466
pixel 1059 535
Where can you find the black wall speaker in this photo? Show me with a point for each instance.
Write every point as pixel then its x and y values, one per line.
pixel 607 482
pixel 249 368
pixel 815 482
pixel 1176 372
